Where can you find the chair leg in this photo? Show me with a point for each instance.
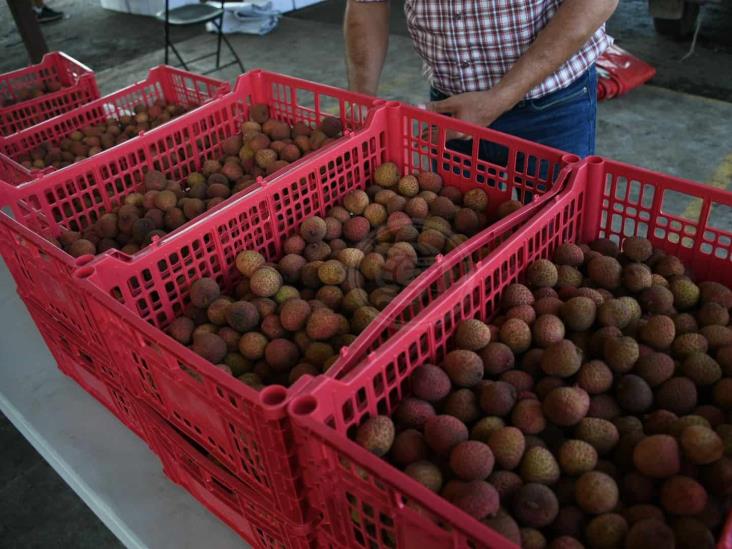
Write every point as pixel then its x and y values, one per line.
pixel 233 52
pixel 180 59
pixel 220 27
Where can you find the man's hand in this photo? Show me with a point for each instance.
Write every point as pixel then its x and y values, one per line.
pixel 481 108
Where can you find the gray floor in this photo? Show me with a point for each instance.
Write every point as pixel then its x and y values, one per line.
pixel 680 125
pixel 37 508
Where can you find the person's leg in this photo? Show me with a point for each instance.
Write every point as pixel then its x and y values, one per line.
pixel 44 14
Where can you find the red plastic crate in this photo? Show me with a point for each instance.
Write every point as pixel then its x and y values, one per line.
pixel 78 86
pixel 75 361
pixel 246 430
pixel 77 195
pixel 163 83
pixel 220 492
pixel 602 199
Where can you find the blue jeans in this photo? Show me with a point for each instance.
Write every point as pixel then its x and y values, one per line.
pixel 564 119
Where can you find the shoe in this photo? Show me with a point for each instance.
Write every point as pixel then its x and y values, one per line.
pixel 47 15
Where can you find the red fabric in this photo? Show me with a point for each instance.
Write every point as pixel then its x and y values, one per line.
pixel 619 72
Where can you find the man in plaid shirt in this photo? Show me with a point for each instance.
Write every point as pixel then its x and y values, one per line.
pixel 524 67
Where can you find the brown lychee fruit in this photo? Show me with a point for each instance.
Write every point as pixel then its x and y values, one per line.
pixel 507 444
pixel 577 457
pixel 578 313
pixel 568 254
pixel 678 395
pixel 387 175
pixel 688 343
pixel 497 358
pixel 681 495
pixel 209 346
pixel 541 273
pixel 566 406
pixel 637 277
pixel 605 271
pixel 655 368
pixel 621 353
pixel 656 300
pixel 313 229
pixel 322 324
pixel 181 329
pixel 252 345
pixel 606 531
pixel 722 393
pixel 658 332
pixel 413 412
pixel 265 282
pixel 657 456
pixel 477 498
pixel 472 335
pixel 649 532
pixel 204 291
pixel 691 533
pixel 442 433
pixel 430 383
pixel 471 460
pixel 562 359
pixel 547 329
pixel 535 505
pixel 633 394
pixel 506 483
pixel 538 465
pixel 516 334
pixel 426 473
pixel 717 336
pixel 376 434
pixel 242 316
pixel 596 492
pixel 516 294
pixel 497 398
pixel 528 416
pixel 595 377
pixel 600 433
pixel 282 354
pixel 701 445
pixel 701 369
pixel 614 313
pixel 637 248
pixel 462 404
pixel 409 446
pixel 464 368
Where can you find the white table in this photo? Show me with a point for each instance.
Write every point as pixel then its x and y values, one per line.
pixel 111 469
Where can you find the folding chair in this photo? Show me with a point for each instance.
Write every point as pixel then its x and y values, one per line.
pixel 196 14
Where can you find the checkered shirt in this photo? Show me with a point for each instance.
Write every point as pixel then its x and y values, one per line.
pixel 468 45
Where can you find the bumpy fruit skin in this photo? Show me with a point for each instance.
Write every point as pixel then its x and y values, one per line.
pixel 376 434
pixel 497 398
pixel 681 495
pixel 204 292
pixel 426 473
pixel 701 445
pixel 596 492
pixel 471 460
pixel 464 368
pixel 535 505
pixel 430 383
pixel 649 532
pixel 562 359
pixel 408 447
pixel 566 406
pixel 539 465
pixel 508 445
pixel 442 433
pixel 477 498
pixel 413 412
pixel 472 335
pixel 577 457
pixel 657 456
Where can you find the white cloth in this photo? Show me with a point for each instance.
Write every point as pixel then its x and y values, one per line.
pixel 248 18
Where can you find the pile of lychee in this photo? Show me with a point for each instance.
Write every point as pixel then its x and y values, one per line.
pixel 292 315
pixel 594 410
pixel 30 92
pixel 90 140
pixel 162 205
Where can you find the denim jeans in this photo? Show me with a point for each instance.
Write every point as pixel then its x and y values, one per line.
pixel 564 119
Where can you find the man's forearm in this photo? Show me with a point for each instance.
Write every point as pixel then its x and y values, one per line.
pixel 366 31
pixel 574 22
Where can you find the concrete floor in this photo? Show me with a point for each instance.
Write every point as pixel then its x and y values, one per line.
pixel 680 124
